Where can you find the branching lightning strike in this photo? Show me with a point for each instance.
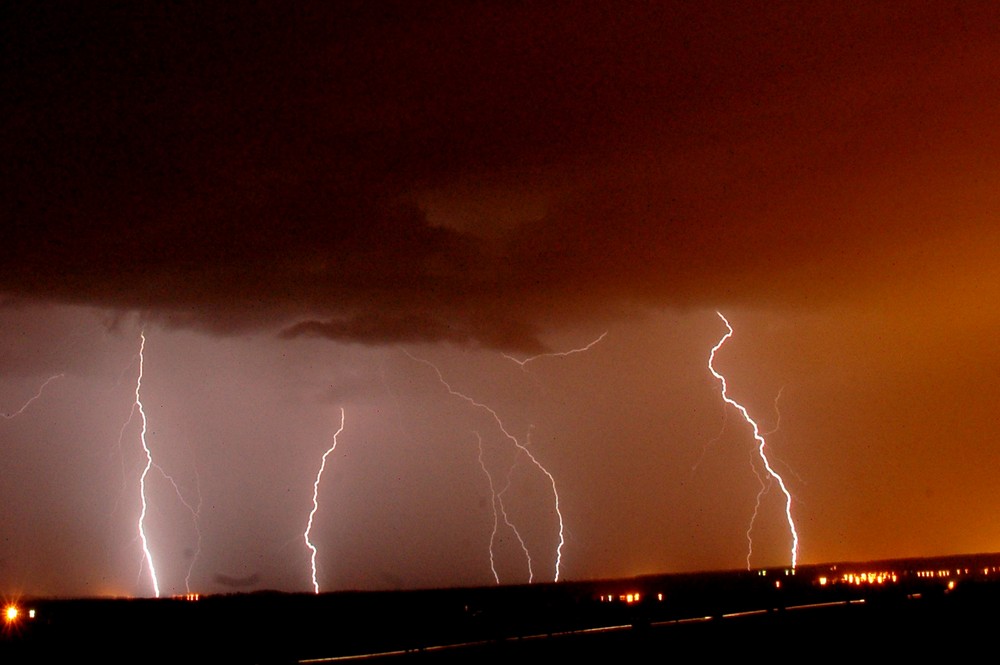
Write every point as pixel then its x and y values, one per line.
pixel 761 443
pixel 312 513
pixel 519 446
pixel 15 414
pixel 151 464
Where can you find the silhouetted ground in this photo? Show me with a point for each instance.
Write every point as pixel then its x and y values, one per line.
pixel 890 609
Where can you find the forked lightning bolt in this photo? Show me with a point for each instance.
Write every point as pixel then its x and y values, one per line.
pixel 14 414
pixel 761 443
pixel 150 465
pixel 312 513
pixel 517 444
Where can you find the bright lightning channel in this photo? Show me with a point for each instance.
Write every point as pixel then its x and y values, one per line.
pixel 15 414
pixel 312 513
pixel 518 445
pixel 559 354
pixel 151 464
pixel 145 472
pixel 761 443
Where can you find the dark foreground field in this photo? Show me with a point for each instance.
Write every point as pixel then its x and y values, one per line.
pixel 891 609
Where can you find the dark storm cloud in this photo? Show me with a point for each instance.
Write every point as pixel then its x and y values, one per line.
pixel 232 169
pixel 380 329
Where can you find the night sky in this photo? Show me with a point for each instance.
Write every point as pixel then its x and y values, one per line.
pixel 382 207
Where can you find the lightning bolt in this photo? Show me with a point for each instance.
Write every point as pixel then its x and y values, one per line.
pixel 151 464
pixel 761 444
pixel 145 472
pixel 15 414
pixel 764 486
pixel 493 505
pixel 518 446
pixel 560 354
pixel 312 513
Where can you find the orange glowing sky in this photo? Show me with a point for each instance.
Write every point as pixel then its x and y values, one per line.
pixel 289 200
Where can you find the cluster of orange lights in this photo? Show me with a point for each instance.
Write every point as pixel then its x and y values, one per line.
pixel 946 573
pixel 627 598
pixel 888 577
pixel 858 579
pixel 192 597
